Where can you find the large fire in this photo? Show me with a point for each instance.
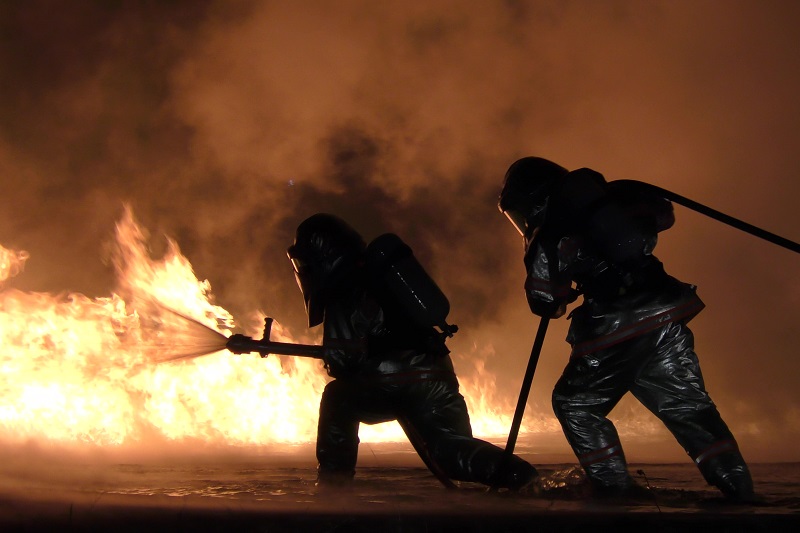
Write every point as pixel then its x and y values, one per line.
pixel 128 368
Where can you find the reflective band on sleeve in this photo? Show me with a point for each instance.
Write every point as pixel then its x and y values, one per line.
pixel 715 449
pixel 595 456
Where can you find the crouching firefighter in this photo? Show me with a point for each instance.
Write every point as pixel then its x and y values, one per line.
pixel 585 236
pixel 380 311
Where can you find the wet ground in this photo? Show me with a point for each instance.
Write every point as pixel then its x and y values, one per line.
pixel 392 492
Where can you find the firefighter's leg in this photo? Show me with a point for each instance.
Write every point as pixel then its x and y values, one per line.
pixel 440 417
pixel 587 391
pixel 337 434
pixel 670 385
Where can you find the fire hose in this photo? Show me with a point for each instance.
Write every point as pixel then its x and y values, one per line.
pixel 717 215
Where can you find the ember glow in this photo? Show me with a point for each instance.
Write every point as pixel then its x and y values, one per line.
pixel 125 368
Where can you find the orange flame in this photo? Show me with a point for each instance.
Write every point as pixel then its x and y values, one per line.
pixel 82 370
pixel 11 263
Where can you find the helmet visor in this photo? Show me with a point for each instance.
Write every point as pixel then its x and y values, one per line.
pixel 517 219
pixel 310 279
pixel 299 265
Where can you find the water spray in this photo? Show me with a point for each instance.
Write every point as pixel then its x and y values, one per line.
pixel 200 339
pixel 194 339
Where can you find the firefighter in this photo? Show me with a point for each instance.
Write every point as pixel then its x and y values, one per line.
pixel 585 237
pixel 386 364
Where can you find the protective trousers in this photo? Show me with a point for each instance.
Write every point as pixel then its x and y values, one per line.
pixel 436 411
pixel 662 371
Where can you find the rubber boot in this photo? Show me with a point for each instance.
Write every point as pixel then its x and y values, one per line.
pixel 729 473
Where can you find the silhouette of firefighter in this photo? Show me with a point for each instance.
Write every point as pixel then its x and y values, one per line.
pixel 379 311
pixel 591 238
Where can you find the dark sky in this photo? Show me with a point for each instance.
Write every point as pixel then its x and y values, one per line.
pixel 224 124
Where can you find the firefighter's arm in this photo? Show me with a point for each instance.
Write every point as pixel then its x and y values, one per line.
pixel 347 334
pixel 343 356
pixel 548 291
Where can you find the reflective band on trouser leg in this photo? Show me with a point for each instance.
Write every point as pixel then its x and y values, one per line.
pixel 721 446
pixel 596 456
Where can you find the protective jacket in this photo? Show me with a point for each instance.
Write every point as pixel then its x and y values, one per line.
pixel 597 241
pixel 385 341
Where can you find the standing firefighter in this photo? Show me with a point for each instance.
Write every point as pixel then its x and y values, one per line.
pixel 378 309
pixel 630 332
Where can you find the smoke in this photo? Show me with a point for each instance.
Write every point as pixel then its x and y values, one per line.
pixel 225 126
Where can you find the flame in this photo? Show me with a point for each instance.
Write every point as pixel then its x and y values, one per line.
pixel 11 263
pixel 80 370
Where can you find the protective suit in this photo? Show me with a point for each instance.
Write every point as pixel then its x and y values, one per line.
pixel 586 237
pixel 385 365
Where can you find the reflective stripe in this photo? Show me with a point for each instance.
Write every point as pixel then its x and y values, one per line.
pixel 637 328
pixel 595 456
pixel 715 449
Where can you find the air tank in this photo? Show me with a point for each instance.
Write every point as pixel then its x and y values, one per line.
pixel 393 264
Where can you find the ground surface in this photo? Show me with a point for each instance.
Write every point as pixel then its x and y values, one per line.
pixel 254 496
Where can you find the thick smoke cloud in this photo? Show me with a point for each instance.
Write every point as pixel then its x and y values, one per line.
pixel 225 125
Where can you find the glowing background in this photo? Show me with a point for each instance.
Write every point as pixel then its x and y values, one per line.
pixel 225 126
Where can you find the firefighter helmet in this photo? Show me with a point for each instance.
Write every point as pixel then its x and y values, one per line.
pixel 526 188
pixel 325 253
